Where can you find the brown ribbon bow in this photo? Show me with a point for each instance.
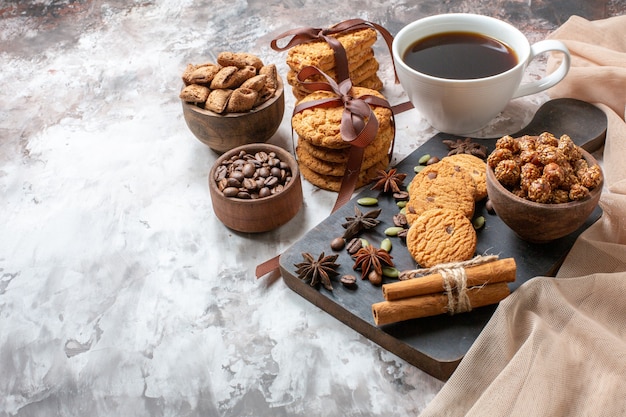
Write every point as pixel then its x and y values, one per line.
pixel 358 123
pixel 358 127
pixel 310 34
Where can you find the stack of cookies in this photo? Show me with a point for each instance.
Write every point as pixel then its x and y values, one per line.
pixel 441 205
pixel 322 153
pixel 362 64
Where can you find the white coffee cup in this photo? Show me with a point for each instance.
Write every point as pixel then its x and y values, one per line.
pixel 464 106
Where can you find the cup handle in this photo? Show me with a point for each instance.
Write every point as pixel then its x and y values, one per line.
pixel 549 80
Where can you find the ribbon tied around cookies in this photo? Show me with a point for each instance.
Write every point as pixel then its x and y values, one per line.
pixel 358 127
pixel 310 34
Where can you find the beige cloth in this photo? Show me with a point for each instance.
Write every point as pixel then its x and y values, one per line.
pixel 557 346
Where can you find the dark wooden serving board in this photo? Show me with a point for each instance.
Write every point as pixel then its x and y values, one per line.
pixel 437 344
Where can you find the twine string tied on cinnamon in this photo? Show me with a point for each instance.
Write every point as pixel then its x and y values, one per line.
pixel 454 280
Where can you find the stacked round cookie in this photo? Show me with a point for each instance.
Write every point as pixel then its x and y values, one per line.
pixel 441 205
pixel 322 153
pixel 362 64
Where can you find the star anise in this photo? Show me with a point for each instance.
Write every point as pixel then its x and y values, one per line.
pixel 360 221
pixel 388 181
pixel 317 271
pixel 466 146
pixel 371 259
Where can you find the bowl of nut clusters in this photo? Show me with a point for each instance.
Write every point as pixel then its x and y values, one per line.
pixel 255 188
pixel 542 187
pixel 232 102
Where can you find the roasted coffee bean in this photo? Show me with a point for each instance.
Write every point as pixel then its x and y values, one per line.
pixel 432 160
pixel 248 170
pixel 264 192
pixel 230 191
pixel 271 181
pixel 400 220
pixel 238 175
pixel 250 176
pixel 261 156
pixel 375 278
pixel 489 207
pixel 354 245
pixel 264 172
pixel 401 195
pixel 233 182
pixel 348 281
pixel 221 172
pixel 337 243
pixel 249 184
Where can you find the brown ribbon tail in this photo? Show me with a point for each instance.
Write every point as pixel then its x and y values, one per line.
pixel 267 266
pixel 402 107
pixel 298 36
pixel 348 183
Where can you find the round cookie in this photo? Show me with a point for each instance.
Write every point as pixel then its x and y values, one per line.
pixel 374 150
pixel 476 167
pixel 333 183
pixel 321 55
pixel 373 83
pixel 443 194
pixel 444 168
pixel 330 168
pixel 321 126
pixel 441 185
pixel 367 67
pixel 441 236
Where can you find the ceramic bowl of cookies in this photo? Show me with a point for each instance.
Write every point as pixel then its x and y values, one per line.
pixel 255 188
pixel 537 209
pixel 236 101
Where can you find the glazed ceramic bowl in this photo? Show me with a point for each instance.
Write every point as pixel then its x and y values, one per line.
pixel 536 222
pixel 259 214
pixel 222 132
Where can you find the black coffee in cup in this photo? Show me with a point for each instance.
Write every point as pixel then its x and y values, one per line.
pixel 460 56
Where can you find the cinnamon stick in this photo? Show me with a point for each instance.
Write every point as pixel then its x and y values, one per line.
pixel 386 312
pixel 502 270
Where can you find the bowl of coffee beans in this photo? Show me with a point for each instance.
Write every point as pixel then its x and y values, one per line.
pixel 255 188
